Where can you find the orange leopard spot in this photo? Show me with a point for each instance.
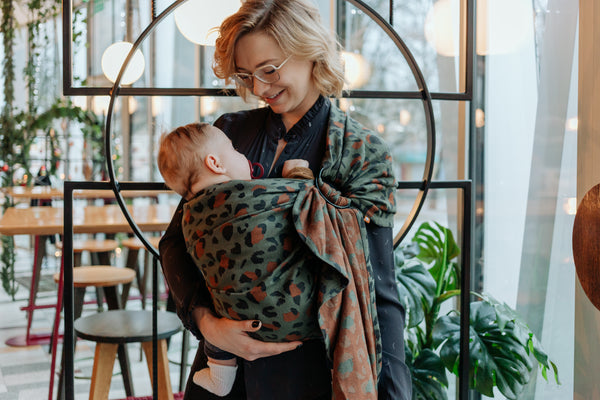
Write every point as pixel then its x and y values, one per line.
pixel 233 314
pixel 241 211
pixel 212 281
pixel 258 294
pixel 199 249
pixel 270 327
pixel 284 198
pixel 220 199
pixel 251 275
pixel 256 235
pixel 271 266
pixel 290 316
pixel 295 290
pixel 224 262
pixel 292 337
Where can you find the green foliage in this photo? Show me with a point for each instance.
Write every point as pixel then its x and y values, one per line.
pixel 15 152
pixel 503 351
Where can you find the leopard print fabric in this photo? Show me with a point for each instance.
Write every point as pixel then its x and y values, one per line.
pixel 241 236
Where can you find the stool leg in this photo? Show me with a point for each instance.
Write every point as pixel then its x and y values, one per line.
pixel 133 263
pixel 102 258
pixel 104 360
pixel 185 346
pixel 165 392
pixel 112 300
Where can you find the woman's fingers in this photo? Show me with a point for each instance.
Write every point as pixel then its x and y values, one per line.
pixel 232 336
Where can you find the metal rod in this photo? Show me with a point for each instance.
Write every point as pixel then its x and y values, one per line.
pixel 465 295
pixel 155 328
pixel 68 335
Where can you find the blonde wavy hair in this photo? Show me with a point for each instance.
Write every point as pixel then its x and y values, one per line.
pixel 296 27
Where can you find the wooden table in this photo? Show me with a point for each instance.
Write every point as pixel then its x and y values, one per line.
pixel 48 192
pixel 43 221
pixel 89 219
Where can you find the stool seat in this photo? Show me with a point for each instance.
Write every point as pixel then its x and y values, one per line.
pixel 126 326
pixel 136 244
pixel 100 276
pixel 115 328
pixel 93 245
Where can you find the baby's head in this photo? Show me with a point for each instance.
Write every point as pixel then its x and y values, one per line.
pixel 198 155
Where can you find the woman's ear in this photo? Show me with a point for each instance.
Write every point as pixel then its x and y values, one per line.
pixel 213 163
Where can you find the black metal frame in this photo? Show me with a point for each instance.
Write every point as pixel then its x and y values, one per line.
pixel 70 90
pixel 423 186
pixel 68 337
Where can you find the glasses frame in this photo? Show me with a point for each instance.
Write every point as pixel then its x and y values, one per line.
pixel 238 77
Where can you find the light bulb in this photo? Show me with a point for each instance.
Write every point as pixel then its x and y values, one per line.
pixel 198 20
pixel 112 61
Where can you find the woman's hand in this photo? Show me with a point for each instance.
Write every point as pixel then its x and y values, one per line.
pixel 232 336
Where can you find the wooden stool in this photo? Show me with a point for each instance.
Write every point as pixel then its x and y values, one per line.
pixel 114 328
pixel 133 246
pixel 99 250
pixel 106 277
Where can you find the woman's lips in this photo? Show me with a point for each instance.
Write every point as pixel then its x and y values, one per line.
pixel 272 99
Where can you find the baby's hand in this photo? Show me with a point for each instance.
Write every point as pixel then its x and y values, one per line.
pixel 296 169
pixel 291 164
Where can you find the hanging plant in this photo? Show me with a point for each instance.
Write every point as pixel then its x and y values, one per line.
pixel 7 137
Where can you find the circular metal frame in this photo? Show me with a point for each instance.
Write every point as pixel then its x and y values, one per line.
pixel 387 28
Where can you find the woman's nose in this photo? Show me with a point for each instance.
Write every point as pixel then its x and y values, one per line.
pixel 259 88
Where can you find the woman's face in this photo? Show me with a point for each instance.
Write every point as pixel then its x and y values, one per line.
pixel 294 93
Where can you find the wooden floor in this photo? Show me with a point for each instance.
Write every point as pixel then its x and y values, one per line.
pixel 25 371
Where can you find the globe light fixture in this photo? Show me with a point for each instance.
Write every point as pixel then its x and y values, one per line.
pixel 112 61
pixel 198 20
pixel 502 26
pixel 357 70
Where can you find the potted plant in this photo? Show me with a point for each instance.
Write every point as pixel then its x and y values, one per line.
pixel 503 351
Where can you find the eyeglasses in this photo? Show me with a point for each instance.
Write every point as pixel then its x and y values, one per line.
pixel 266 74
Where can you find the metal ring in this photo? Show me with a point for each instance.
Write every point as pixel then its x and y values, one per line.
pixel 319 178
pixel 383 24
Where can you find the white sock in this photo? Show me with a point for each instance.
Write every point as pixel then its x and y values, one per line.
pixel 217 379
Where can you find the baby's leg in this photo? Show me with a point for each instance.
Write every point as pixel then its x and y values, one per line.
pixel 219 377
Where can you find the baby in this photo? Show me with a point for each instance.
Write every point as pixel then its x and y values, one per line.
pixel 192 158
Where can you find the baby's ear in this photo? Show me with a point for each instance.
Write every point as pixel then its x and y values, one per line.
pixel 213 163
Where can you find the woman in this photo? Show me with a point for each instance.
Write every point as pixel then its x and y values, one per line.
pixel 280 52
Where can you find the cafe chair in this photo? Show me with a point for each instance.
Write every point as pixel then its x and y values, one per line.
pixel 115 328
pixel 108 278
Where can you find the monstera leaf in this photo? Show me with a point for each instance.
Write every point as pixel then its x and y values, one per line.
pixel 428 376
pixel 498 357
pixel 416 288
pixel 437 248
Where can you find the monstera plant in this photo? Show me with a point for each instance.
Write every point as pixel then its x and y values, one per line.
pixel 503 351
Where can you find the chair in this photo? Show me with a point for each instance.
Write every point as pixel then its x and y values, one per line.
pixel 118 327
